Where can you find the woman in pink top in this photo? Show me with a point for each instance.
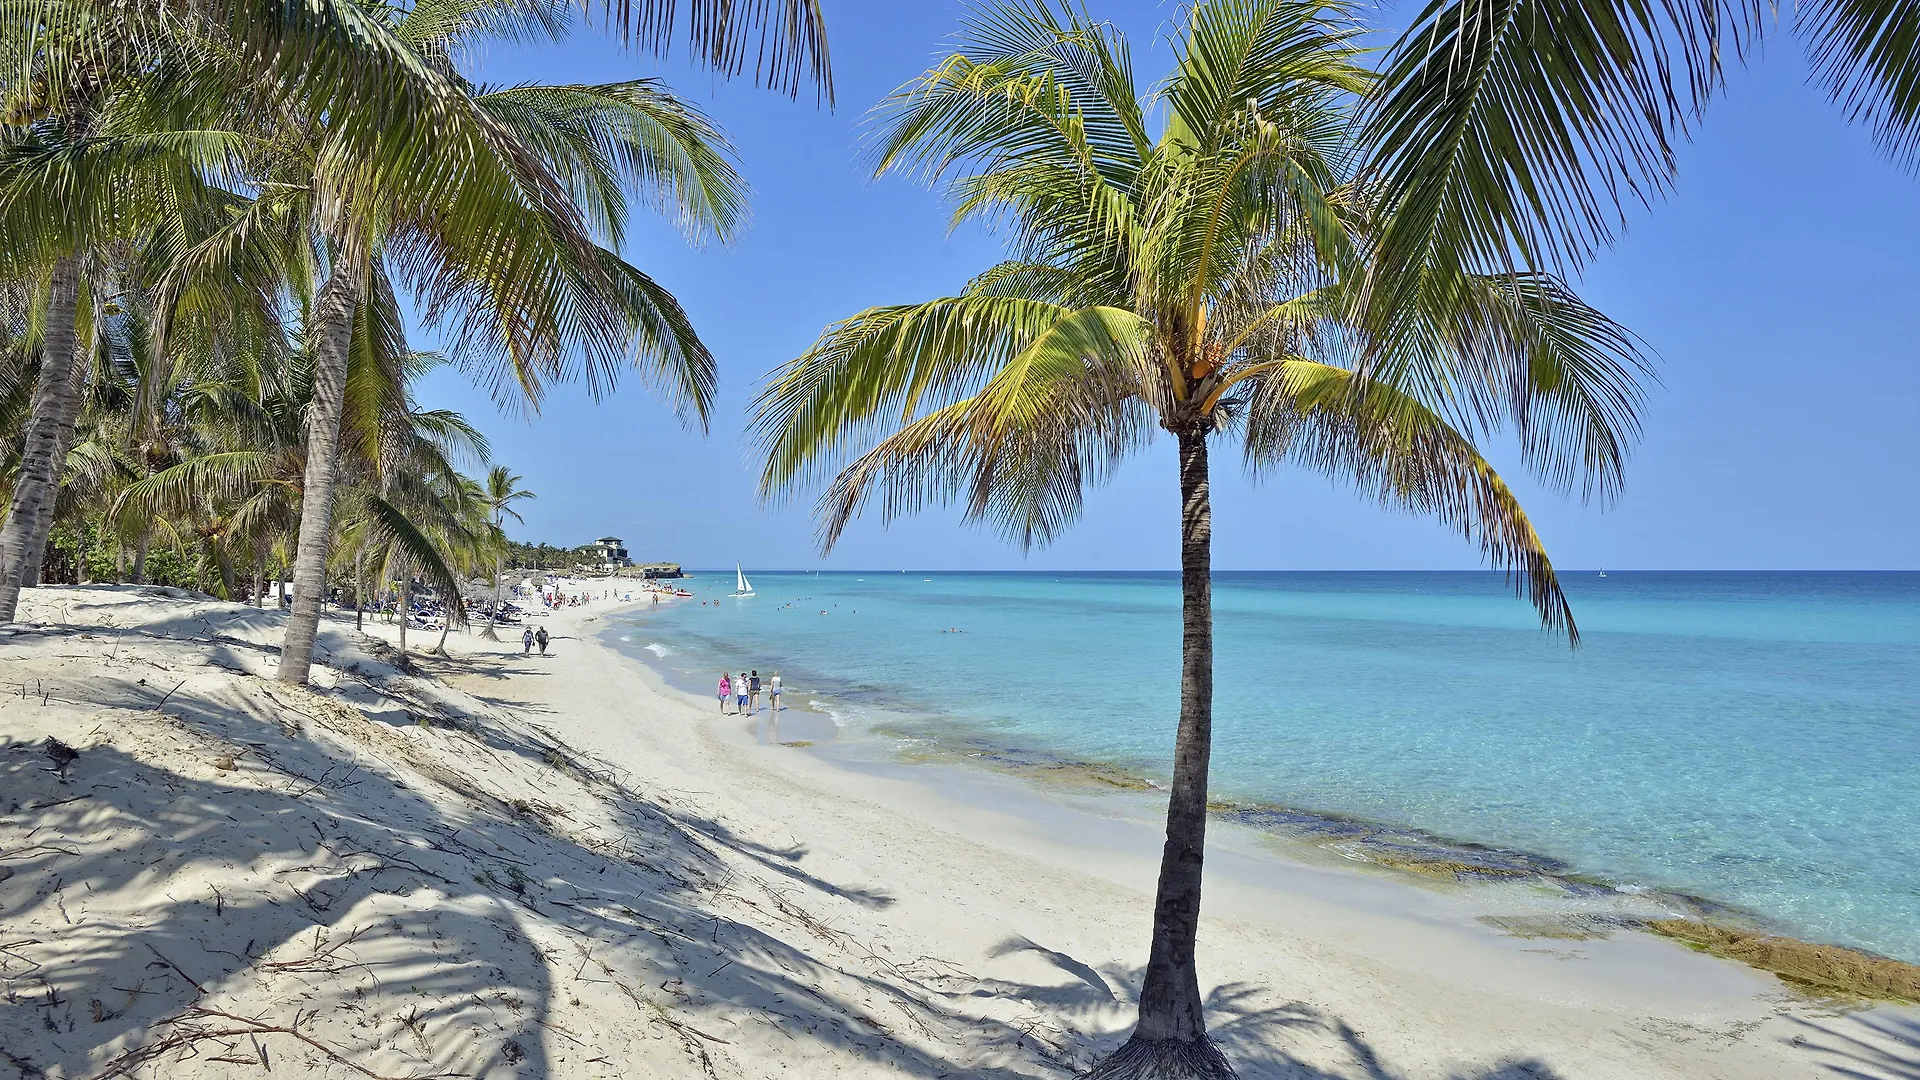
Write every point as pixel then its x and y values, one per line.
pixel 726 691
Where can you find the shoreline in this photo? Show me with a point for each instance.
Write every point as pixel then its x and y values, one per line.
pixel 773 910
pixel 1591 905
pixel 1634 950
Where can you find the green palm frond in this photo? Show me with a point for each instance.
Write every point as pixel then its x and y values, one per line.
pixel 450 433
pixel 1867 54
pixel 390 529
pixel 636 138
pixel 229 476
pixel 1512 130
pixel 1031 83
pixel 883 366
pixel 437 28
pixel 1398 452
pixel 784 42
pixel 1059 416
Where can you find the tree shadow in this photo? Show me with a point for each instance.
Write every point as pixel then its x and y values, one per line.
pixel 1264 1038
pixel 331 876
pixel 107 985
pixel 1863 1046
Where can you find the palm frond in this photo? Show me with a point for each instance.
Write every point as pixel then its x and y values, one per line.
pixel 1396 451
pixel 1864 52
pixel 611 140
pixel 1511 132
pixel 885 365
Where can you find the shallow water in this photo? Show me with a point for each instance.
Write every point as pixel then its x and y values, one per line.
pixel 1752 738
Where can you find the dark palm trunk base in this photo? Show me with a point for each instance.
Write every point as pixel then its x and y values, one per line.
pixel 1170 1041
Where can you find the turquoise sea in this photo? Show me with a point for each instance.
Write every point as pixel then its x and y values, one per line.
pixel 1752 739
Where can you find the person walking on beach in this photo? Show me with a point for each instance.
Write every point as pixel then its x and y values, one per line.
pixel 773 693
pixel 526 641
pixel 753 691
pixel 541 638
pixel 726 691
pixel 740 691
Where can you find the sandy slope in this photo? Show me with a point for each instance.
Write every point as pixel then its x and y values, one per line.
pixel 559 868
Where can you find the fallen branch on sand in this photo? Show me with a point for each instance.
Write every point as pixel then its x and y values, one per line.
pixel 323 957
pixel 237 1026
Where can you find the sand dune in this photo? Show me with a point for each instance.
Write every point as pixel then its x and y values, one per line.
pixel 512 866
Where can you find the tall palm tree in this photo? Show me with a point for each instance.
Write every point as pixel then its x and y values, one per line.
pixel 1203 263
pixel 58 389
pixel 501 491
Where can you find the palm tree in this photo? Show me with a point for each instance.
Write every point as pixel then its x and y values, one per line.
pixel 469 541
pixel 55 404
pixel 495 235
pixel 502 490
pixel 1211 272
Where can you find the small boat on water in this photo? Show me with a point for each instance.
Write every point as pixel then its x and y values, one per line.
pixel 741 587
pixel 1603 573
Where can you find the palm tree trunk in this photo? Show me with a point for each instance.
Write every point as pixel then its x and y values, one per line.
pixel 139 576
pixel 260 576
pixel 37 484
pixel 333 314
pixel 225 560
pixel 63 436
pixel 493 617
pixel 446 624
pixel 1170 1040
pixel 359 589
pixel 404 609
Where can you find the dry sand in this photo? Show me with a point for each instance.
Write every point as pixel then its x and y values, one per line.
pixel 516 866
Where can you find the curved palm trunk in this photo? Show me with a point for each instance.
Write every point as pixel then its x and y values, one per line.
pixel 333 315
pixel 79 380
pixel 1170 1040
pixel 37 483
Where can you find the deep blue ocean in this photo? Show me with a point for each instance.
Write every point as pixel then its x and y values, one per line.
pixel 1749 738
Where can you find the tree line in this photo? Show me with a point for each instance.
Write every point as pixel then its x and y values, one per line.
pixel 216 220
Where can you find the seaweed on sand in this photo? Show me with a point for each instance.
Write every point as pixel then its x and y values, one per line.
pixel 1822 969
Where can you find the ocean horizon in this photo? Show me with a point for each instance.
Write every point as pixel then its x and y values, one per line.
pixel 1746 737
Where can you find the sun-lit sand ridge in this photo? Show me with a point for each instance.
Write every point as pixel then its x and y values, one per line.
pixel 557 867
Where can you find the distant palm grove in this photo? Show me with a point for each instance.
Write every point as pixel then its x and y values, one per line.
pixel 219 220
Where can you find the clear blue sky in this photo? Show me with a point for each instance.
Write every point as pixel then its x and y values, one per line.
pixel 1776 285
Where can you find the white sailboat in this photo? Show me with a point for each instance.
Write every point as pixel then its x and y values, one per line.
pixel 741 587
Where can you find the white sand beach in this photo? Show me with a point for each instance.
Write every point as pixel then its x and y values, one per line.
pixel 560 867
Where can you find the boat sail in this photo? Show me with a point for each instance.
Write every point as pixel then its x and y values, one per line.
pixel 742 587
